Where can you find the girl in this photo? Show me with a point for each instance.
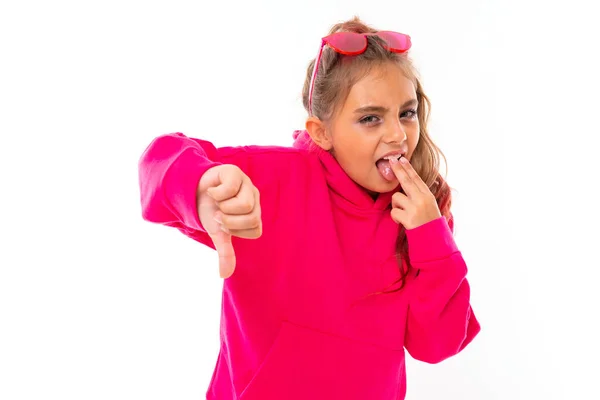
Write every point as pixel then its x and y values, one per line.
pixel 353 258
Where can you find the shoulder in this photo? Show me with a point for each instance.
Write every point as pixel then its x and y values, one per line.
pixel 255 151
pixel 269 158
pixel 270 164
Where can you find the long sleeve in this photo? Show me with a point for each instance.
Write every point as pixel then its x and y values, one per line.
pixel 441 321
pixel 169 171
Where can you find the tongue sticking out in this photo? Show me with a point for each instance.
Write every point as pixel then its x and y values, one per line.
pixel 385 169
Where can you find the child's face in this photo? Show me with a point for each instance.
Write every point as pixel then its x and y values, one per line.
pixel 359 137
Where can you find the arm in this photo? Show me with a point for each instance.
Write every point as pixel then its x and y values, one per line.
pixel 440 320
pixel 169 172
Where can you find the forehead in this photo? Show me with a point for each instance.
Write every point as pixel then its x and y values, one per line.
pixel 385 85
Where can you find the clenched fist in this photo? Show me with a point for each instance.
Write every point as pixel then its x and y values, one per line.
pixel 228 205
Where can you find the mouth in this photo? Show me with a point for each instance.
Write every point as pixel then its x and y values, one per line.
pixel 384 167
pixel 388 158
pixel 397 155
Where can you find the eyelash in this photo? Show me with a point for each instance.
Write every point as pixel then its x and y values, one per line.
pixel 413 113
pixel 365 120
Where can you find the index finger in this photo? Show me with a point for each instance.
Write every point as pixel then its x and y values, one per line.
pixel 414 176
pixel 407 183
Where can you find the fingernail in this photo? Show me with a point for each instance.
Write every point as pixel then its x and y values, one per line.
pixel 403 160
pixel 393 160
pixel 217 218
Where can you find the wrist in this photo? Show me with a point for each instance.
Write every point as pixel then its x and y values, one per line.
pixel 431 241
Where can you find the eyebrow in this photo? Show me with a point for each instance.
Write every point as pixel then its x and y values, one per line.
pixel 380 109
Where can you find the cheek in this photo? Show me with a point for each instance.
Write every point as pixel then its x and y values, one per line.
pixel 356 146
pixel 357 159
pixel 355 150
pixel 413 136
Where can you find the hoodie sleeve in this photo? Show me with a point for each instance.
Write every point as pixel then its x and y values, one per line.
pixel 169 171
pixel 440 320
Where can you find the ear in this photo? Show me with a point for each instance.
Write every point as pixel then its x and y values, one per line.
pixel 318 133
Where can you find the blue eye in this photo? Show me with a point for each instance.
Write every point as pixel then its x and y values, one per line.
pixel 411 114
pixel 369 120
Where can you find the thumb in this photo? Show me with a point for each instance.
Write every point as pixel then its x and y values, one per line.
pixel 226 253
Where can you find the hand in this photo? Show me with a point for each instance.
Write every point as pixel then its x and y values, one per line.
pixel 228 205
pixel 418 206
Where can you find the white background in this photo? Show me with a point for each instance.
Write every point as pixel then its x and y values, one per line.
pixel 95 303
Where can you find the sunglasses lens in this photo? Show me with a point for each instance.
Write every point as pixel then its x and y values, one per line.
pixel 397 42
pixel 348 43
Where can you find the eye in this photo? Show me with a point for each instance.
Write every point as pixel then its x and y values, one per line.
pixel 369 120
pixel 411 114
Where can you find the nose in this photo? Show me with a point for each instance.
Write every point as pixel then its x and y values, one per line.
pixel 395 133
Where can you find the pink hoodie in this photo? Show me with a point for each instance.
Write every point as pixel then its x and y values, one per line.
pixel 298 320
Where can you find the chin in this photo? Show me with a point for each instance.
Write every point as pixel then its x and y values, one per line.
pixel 382 187
pixel 390 186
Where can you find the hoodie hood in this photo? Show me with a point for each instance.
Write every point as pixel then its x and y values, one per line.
pixel 338 181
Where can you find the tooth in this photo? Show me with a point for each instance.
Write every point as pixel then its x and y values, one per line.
pixel 397 156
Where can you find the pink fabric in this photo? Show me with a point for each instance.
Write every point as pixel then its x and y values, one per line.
pixel 300 319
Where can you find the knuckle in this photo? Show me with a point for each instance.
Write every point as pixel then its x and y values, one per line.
pixel 224 220
pixel 229 191
pixel 255 221
pixel 246 205
pixel 232 168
